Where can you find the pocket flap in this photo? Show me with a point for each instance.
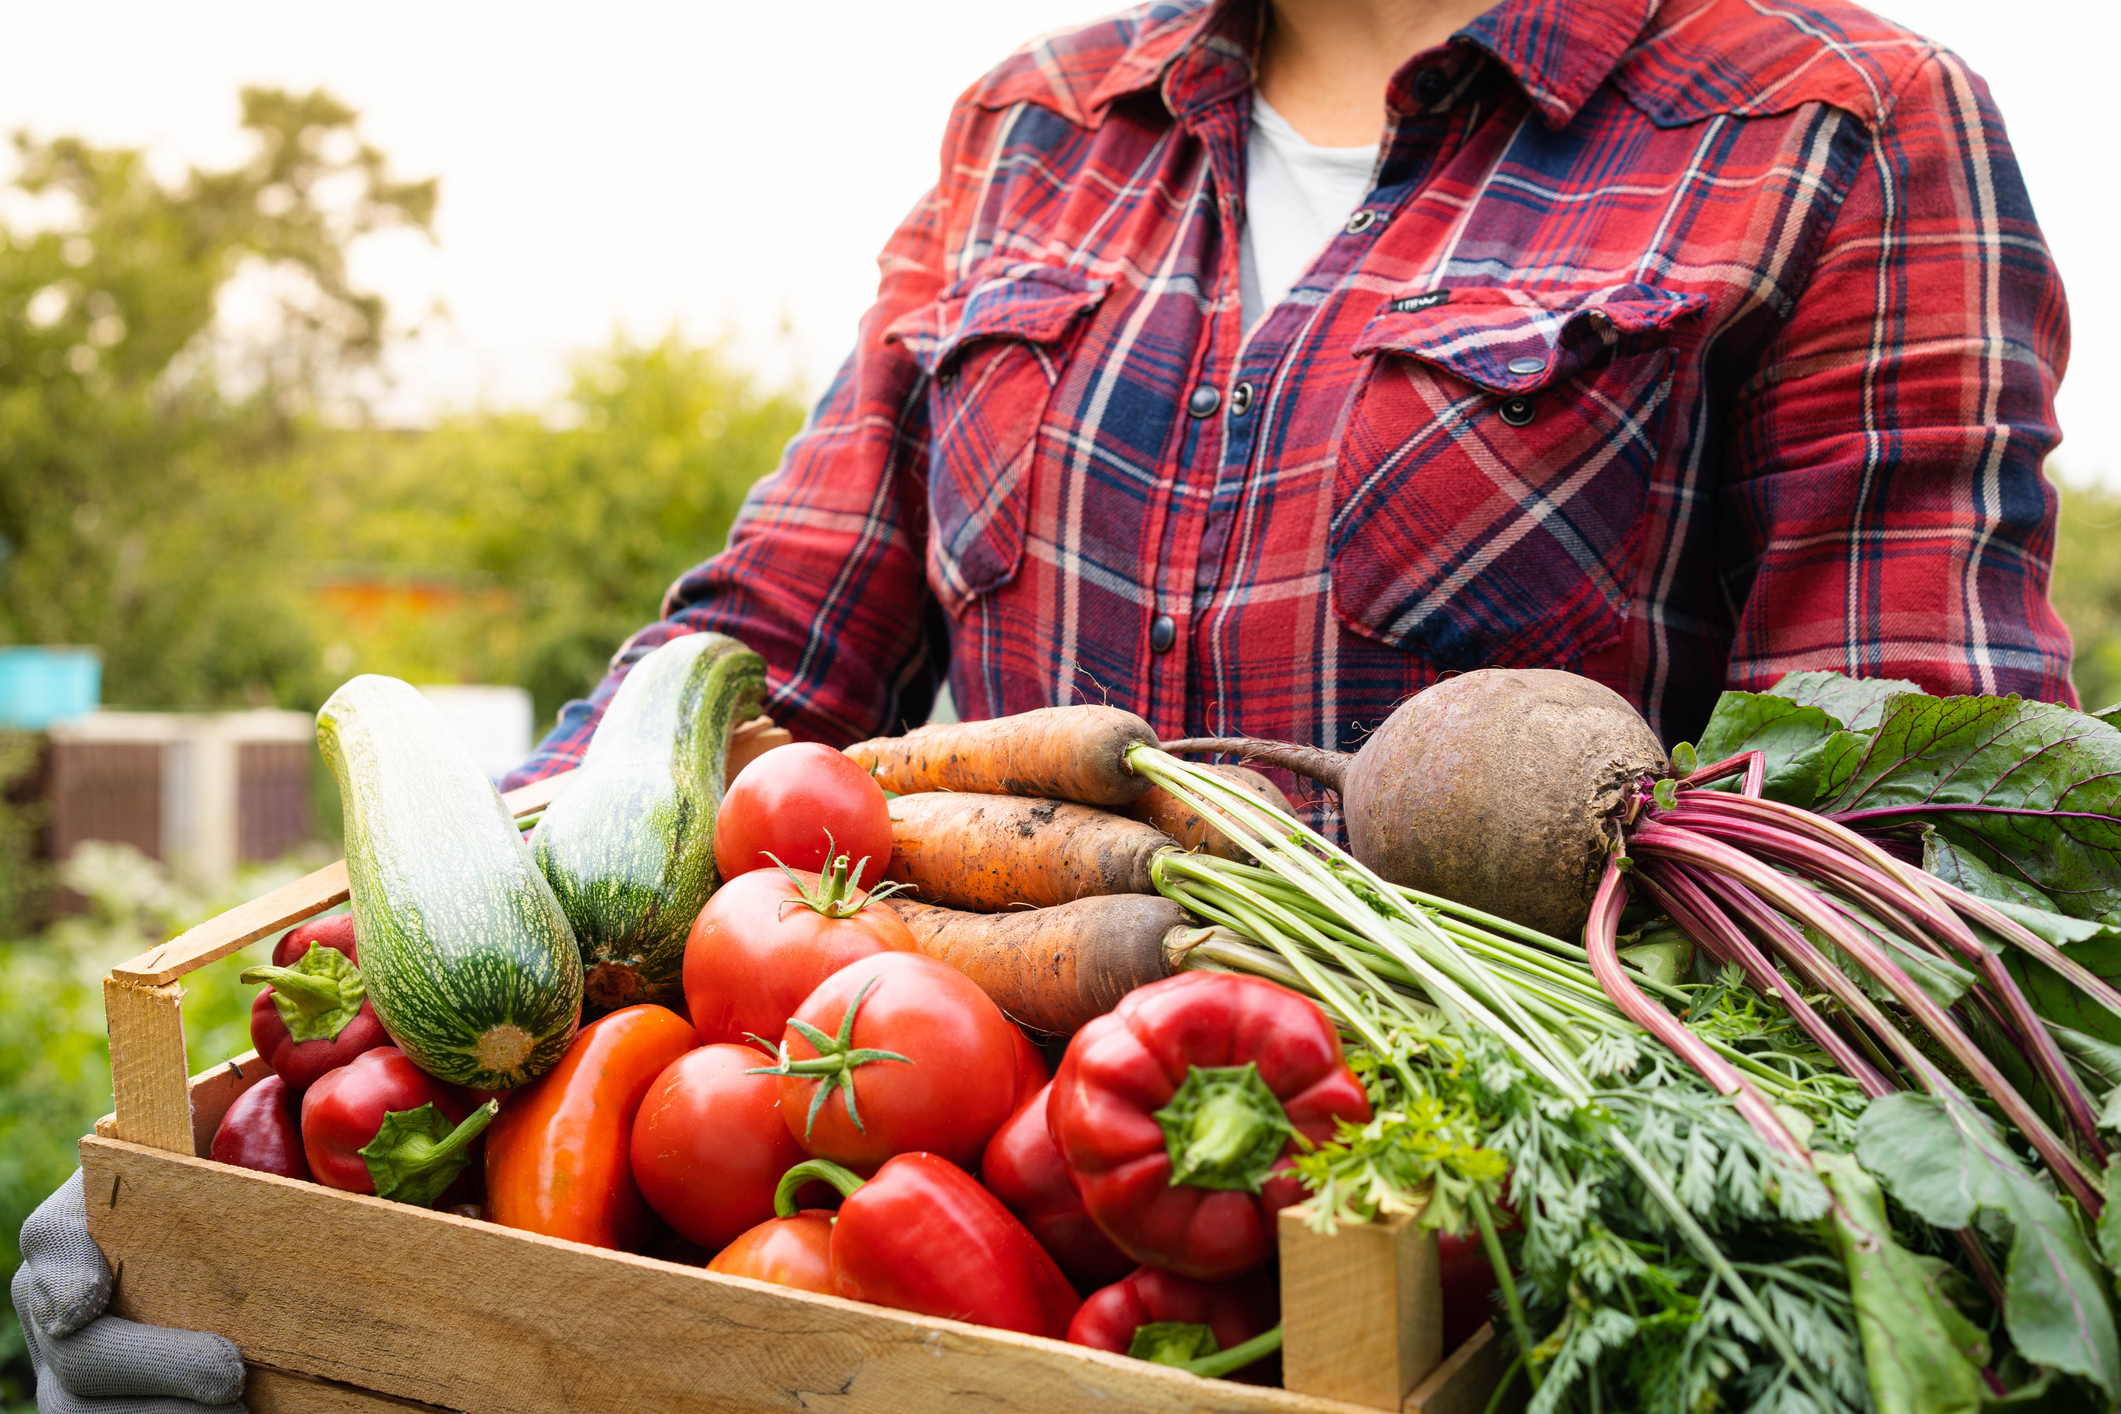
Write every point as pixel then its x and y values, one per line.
pixel 1001 300
pixel 1479 334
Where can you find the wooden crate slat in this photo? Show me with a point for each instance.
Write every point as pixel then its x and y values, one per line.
pixel 270 1391
pixel 447 1310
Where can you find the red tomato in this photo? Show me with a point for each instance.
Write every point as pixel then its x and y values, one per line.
pixel 709 1145
pixel 955 1087
pixel 757 950
pixel 786 801
pixel 793 1252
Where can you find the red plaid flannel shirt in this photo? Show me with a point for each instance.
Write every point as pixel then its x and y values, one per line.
pixel 1681 345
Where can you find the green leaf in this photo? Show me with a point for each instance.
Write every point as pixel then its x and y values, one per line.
pixel 2110 1216
pixel 1920 1354
pixel 2031 790
pixel 1857 703
pixel 1945 1161
pixel 1792 736
pixel 1667 958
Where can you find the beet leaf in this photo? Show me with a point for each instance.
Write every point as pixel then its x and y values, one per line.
pixel 1793 736
pixel 1855 703
pixel 2030 790
pixel 1923 1357
pixel 1944 1161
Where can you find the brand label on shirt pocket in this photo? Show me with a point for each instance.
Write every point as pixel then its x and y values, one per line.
pixel 1493 471
pixel 992 347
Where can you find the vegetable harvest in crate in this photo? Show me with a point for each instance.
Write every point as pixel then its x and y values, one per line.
pixel 1781 1075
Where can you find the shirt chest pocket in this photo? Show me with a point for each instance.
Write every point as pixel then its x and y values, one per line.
pixel 1493 471
pixel 993 347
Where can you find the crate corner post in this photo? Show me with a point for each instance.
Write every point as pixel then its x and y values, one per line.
pixel 150 1085
pixel 1362 1308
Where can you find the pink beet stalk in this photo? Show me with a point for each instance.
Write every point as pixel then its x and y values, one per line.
pixel 1917 915
pixel 1674 890
pixel 1753 763
pixel 1601 941
pixel 1794 899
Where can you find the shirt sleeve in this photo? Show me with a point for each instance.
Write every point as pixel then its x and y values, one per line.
pixel 824 575
pixel 1884 513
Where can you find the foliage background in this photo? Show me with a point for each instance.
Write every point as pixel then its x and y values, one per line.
pixel 189 481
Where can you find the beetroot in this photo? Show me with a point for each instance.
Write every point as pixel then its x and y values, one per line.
pixel 1498 789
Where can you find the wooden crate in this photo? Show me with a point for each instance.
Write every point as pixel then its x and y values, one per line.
pixel 346 1304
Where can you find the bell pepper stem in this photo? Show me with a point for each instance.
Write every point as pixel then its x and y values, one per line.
pixel 1225 1362
pixel 313 995
pixel 846 1180
pixel 416 1154
pixel 318 997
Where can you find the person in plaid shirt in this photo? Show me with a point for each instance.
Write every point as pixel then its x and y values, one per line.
pixel 1682 345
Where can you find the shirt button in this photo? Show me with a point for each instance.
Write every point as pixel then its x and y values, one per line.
pixel 1204 402
pixel 1163 633
pixel 1241 399
pixel 1361 221
pixel 1429 85
pixel 1526 367
pixel 1517 411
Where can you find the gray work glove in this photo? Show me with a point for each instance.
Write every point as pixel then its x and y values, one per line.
pixel 90 1363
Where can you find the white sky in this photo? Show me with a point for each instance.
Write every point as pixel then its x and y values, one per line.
pixel 725 166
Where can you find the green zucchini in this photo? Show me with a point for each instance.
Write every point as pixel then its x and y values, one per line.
pixel 466 952
pixel 629 846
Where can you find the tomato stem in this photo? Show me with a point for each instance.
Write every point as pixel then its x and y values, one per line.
pixel 834 1064
pixel 838 894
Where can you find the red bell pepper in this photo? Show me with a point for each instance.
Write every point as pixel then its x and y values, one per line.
pixel 1209 1327
pixel 1180 1112
pixel 382 1125
pixel 334 931
pixel 315 1015
pixel 263 1130
pixel 1023 1168
pixel 924 1236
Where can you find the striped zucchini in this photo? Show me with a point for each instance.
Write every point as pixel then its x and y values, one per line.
pixel 629 848
pixel 468 957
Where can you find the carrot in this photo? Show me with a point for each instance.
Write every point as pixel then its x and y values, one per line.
pixel 1052 969
pixel 1054 753
pixel 1162 809
pixel 991 852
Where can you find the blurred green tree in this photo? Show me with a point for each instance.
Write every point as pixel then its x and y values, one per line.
pixel 144 505
pixel 550 546
pixel 2087 587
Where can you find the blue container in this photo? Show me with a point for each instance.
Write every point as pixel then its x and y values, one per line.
pixel 39 686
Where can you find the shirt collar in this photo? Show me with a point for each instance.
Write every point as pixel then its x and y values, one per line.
pixel 1559 51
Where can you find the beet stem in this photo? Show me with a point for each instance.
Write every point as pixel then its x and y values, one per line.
pixel 1796 900
pixel 1674 889
pixel 1601 941
pixel 1824 855
pixel 1328 768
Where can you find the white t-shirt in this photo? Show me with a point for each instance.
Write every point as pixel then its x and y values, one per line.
pixel 1296 197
